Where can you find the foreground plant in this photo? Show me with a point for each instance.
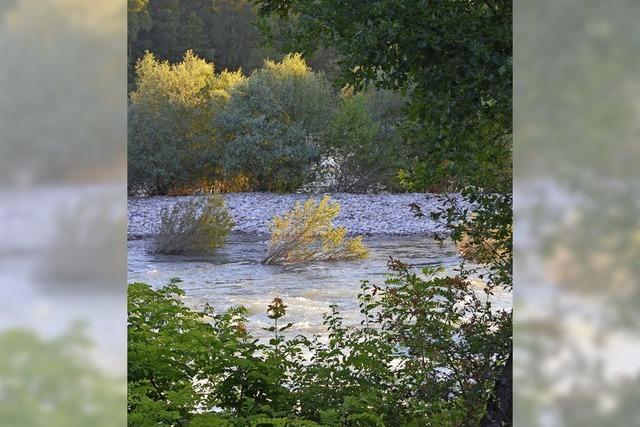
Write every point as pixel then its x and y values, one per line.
pixel 423 355
pixel 307 233
pixel 194 226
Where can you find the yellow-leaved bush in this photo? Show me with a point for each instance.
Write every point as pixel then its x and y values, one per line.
pixel 190 83
pixel 307 233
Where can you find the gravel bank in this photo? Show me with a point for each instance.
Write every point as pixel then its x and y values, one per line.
pixel 366 214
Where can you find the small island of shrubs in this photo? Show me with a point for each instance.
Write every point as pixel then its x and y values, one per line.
pixel 304 234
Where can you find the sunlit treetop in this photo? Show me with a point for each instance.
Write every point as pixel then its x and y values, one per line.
pixel 291 64
pixel 192 82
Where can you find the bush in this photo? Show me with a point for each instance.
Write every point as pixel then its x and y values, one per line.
pixel 273 124
pixel 172 140
pixel 362 149
pixel 196 226
pixel 192 129
pixel 306 234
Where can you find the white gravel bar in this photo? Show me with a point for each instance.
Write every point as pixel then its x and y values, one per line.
pixel 365 214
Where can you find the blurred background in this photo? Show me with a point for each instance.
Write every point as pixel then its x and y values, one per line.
pixel 577 213
pixel 63 213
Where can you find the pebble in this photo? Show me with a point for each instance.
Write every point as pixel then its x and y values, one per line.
pixel 383 214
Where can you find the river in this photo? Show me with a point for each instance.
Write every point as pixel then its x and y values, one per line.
pixel 235 276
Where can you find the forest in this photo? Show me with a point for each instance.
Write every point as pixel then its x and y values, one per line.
pixel 316 99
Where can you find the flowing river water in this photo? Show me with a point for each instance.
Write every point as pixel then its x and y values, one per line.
pixel 235 276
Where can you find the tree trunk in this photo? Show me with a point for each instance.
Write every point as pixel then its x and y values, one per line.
pixel 500 406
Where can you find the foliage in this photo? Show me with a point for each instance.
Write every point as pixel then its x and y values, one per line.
pixel 197 225
pixel 165 354
pixel 210 420
pixel 192 129
pixel 138 21
pixel 170 115
pixel 181 360
pixel 220 31
pixel 306 234
pixel 273 124
pixel 474 250
pixel 454 60
pixel 53 382
pixel 407 364
pixel 363 147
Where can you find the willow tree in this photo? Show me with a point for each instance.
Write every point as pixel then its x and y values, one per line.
pixel 172 140
pixel 273 124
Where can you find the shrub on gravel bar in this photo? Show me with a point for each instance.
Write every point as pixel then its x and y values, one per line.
pixel 194 226
pixel 307 233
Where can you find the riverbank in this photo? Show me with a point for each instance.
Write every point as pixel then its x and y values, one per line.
pixel 365 214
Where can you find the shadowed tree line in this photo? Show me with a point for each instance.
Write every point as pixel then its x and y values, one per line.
pixel 283 128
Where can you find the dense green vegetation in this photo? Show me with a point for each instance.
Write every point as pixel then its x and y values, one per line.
pixel 454 61
pixel 280 129
pixel 273 124
pixel 219 31
pixel 223 32
pixel 419 358
pixel 364 143
pixel 424 88
pixel 170 137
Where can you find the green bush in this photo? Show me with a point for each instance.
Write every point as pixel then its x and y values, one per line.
pixel 162 344
pixel 195 226
pixel 210 420
pixel 363 149
pixel 281 129
pixel 273 124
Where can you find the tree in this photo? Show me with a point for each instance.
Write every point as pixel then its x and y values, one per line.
pixel 273 125
pixel 172 142
pixel 452 58
pixel 138 21
pixel 219 31
pixel 234 41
